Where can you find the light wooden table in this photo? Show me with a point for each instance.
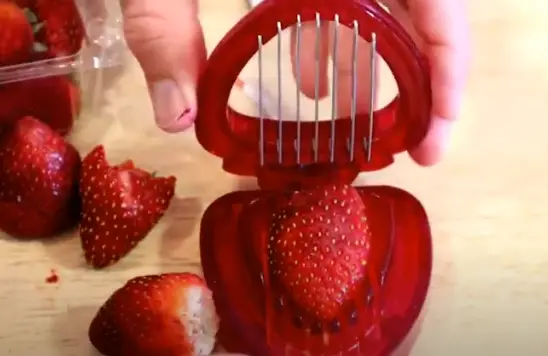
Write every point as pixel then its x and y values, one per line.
pixel 487 202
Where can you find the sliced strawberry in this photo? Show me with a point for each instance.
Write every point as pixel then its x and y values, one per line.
pixel 120 205
pixel 160 315
pixel 63 30
pixel 53 100
pixel 318 258
pixel 16 37
pixel 39 173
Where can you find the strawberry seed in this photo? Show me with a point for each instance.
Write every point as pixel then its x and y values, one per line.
pixel 369 299
pixel 298 321
pixel 316 328
pixel 334 326
pixel 279 303
pixel 353 316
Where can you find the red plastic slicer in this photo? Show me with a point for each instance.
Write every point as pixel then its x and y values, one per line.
pixel 288 155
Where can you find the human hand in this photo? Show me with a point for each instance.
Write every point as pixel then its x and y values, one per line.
pixel 167 39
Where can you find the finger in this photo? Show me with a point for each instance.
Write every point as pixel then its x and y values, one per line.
pixel 442 27
pixel 167 40
pixel 344 69
pixel 306 68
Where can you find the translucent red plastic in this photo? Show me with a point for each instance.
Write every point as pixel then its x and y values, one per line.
pixel 256 317
pixel 234 231
pixel 234 136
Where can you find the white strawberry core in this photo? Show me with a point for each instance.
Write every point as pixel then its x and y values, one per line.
pixel 200 320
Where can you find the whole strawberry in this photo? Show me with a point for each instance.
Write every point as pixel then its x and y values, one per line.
pixel 319 246
pixel 53 100
pixel 63 30
pixel 160 315
pixel 120 205
pixel 16 37
pixel 39 173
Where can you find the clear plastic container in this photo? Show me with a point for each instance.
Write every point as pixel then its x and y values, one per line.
pixel 50 51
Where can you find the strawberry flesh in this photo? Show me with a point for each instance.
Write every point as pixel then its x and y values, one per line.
pixel 120 205
pixel 161 315
pixel 16 37
pixel 39 173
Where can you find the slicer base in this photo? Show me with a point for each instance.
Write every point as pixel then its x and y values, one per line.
pixel 239 294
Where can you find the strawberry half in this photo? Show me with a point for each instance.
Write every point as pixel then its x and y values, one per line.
pixel 318 256
pixel 160 315
pixel 39 173
pixel 120 205
pixel 53 100
pixel 16 37
pixel 63 30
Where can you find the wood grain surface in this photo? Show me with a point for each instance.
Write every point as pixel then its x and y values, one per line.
pixel 487 202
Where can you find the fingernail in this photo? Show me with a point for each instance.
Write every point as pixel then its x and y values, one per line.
pixel 187 116
pixel 168 102
pixel 184 120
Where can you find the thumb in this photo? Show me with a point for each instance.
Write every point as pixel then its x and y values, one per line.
pixel 167 40
pixel 442 30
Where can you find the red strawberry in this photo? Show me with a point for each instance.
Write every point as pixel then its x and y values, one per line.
pixel 53 100
pixel 39 173
pixel 160 315
pixel 318 249
pixel 16 37
pixel 120 205
pixel 63 30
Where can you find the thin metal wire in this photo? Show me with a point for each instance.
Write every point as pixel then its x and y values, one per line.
pixel 298 80
pixel 279 142
pixel 261 109
pixel 372 85
pixel 353 104
pixel 351 140
pixel 334 88
pixel 315 145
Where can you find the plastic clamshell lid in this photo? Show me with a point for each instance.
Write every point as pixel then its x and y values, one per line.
pixel 235 137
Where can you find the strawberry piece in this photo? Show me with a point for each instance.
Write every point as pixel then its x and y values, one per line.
pixel 161 315
pixel 39 173
pixel 120 205
pixel 53 100
pixel 319 246
pixel 16 37
pixel 63 30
